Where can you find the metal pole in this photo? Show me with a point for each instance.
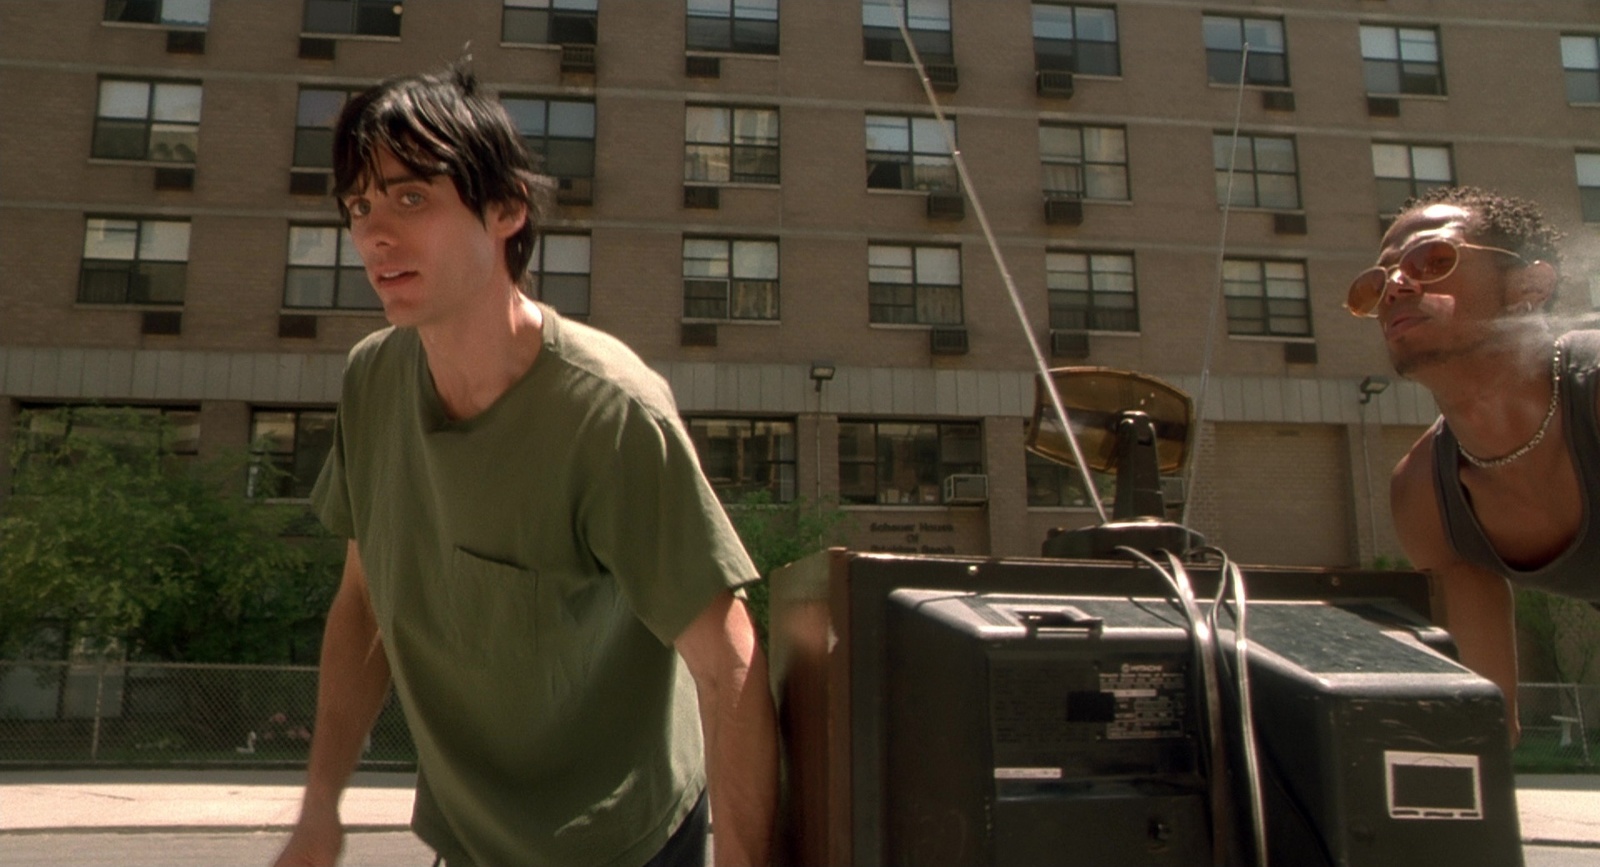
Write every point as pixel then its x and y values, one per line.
pixel 99 697
pixel 1366 468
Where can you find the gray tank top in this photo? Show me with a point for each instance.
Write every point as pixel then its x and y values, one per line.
pixel 1574 572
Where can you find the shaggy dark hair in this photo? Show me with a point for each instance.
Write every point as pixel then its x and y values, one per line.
pixel 1500 221
pixel 440 124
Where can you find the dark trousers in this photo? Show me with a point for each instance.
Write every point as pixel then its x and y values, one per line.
pixel 685 848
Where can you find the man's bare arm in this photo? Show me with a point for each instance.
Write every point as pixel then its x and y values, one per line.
pixel 352 685
pixel 1477 604
pixel 740 727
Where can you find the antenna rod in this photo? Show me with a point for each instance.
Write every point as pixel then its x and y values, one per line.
pixel 999 260
pixel 1216 297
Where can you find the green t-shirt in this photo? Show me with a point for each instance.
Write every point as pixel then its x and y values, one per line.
pixel 529 568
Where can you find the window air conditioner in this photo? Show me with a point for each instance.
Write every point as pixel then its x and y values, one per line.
pixel 966 489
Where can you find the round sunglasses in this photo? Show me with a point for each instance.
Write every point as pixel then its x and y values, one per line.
pixel 1424 262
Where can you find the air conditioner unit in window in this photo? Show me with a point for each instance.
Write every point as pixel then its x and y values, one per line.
pixel 1054 82
pixel 578 59
pixel 160 322
pixel 1300 353
pixel 1277 100
pixel 1289 224
pixel 948 341
pixel 575 191
pixel 1063 210
pixel 702 197
pixel 186 42
pixel 1069 344
pixel 1383 106
pixel 699 66
pixel 698 334
pixel 966 489
pixel 314 48
pixel 309 183
pixel 943 77
pixel 946 205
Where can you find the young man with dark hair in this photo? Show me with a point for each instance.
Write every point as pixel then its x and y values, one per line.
pixel 535 560
pixel 1501 490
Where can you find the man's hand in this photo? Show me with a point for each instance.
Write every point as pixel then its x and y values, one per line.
pixel 317 841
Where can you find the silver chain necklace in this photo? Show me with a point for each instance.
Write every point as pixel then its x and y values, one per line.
pixel 1555 394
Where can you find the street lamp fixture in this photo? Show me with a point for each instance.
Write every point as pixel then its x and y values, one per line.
pixel 821 371
pixel 1373 385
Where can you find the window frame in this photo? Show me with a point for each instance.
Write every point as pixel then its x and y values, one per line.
pixel 1588 194
pixel 1370 65
pixel 362 14
pixel 782 483
pixel 878 290
pixel 538 273
pixel 882 43
pixel 883 461
pixel 1065 484
pixel 302 130
pixel 1589 75
pixel 540 145
pixel 1414 186
pixel 1222 145
pixel 130 267
pixel 1235 301
pixel 755 152
pixel 299 478
pixel 346 265
pixel 1076 44
pixel 149 125
pixel 732 283
pixel 1096 282
pixel 566 22
pixel 159 19
pixel 734 43
pixel 916 166
pixel 1086 167
pixel 1259 56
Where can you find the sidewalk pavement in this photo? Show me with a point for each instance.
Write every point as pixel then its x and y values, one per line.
pixel 1556 810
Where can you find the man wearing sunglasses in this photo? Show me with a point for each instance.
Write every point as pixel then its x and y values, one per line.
pixel 1497 492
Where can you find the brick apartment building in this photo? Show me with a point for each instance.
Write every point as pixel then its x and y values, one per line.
pixel 755 193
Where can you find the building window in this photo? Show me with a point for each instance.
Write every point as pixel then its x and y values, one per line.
pixel 325 272
pixel 42 429
pixel 561 131
pixel 550 22
pixel 928 22
pixel 743 26
pixel 914 285
pixel 1401 60
pixel 1225 40
pixel 909 153
pixel 730 145
pixel 353 17
pixel 1266 297
pixel 287 450
pixel 1081 39
pixel 744 456
pixel 313 126
pixel 147 120
pixel 178 13
pixel 560 272
pixel 134 261
pixel 1406 170
pixel 905 463
pixel 1580 58
pixel 1588 165
pixel 1091 291
pixel 1087 162
pixel 1264 173
pixel 1053 484
pixel 725 278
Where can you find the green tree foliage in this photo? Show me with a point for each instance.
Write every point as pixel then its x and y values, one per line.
pixel 776 534
pixel 1563 634
pixel 109 539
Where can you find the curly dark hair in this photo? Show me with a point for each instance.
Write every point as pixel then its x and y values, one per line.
pixel 1501 221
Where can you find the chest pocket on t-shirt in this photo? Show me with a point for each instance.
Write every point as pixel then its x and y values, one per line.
pixel 492 607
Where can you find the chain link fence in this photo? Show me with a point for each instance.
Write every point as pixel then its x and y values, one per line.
pixel 117 712
pixel 1560 727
